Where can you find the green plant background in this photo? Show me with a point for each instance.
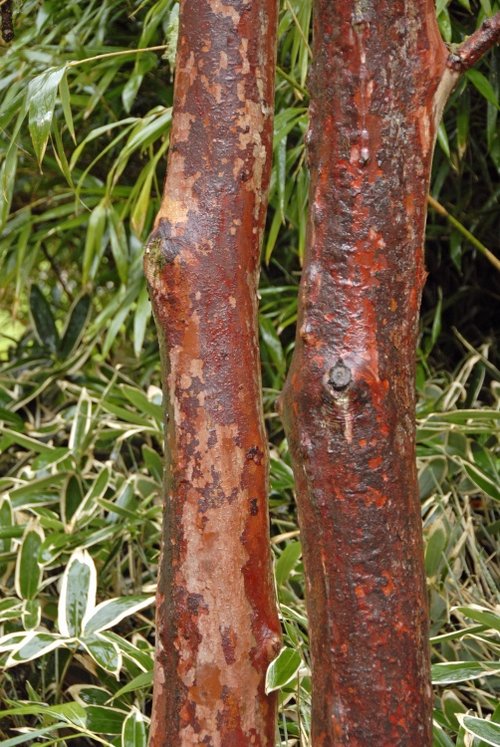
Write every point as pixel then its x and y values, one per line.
pixel 84 129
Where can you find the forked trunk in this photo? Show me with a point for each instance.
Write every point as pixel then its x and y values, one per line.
pixel 217 625
pixel 381 75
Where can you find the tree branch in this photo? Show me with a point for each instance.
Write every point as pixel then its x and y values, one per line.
pixel 473 48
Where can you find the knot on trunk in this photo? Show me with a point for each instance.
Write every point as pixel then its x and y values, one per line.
pixel 339 376
pixel 160 250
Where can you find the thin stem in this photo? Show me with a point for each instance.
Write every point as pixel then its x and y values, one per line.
pixel 121 53
pixel 299 27
pixel 435 205
pixel 473 48
pixel 56 270
pixel 300 89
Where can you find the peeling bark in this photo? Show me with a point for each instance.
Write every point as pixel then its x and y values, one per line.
pixel 381 75
pixel 217 624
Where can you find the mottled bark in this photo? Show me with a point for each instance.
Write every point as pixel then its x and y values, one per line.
pixel 381 75
pixel 217 625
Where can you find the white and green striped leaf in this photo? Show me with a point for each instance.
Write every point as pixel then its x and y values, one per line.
pixel 31 614
pixel 105 653
pixel 134 730
pixel 283 669
pixel 109 613
pixel 28 567
pixel 481 728
pixel 448 673
pixel 78 592
pixel 33 646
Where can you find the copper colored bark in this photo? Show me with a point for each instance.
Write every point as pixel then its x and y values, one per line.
pixel 217 625
pixel 379 81
pixel 381 76
pixel 476 45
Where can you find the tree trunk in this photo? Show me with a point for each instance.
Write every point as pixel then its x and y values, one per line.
pixel 381 75
pixel 217 624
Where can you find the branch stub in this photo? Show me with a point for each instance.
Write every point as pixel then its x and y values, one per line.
pixel 339 376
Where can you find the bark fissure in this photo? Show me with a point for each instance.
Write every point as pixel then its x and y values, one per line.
pixel 217 625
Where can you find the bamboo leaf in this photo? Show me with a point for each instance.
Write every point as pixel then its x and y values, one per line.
pixel 119 245
pixel 283 669
pixel 82 422
pixel 483 85
pixel 33 646
pixel 481 728
pixel 31 614
pixel 482 615
pixel 287 562
pixel 442 137
pixel 71 498
pixel 78 591
pixel 142 316
pixel 6 523
pixel 95 242
pixel 143 64
pixel 440 737
pixel 134 730
pixel 66 104
pixel 89 694
pixel 104 719
pixel 43 319
pixel 33 734
pixel 73 332
pixel 452 705
pixel 89 502
pixel 42 93
pixel 444 22
pixel 143 680
pixel 109 613
pixel 105 653
pixel 28 567
pixel 480 478
pixel 435 547
pixel 462 671
pixel 139 399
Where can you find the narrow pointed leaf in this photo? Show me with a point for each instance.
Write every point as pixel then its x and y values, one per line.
pixel 34 646
pixel 43 319
pixel 462 671
pixel 42 94
pixel 28 567
pixel 105 653
pixel 134 730
pixel 282 669
pixel 75 327
pixel 109 613
pixel 487 731
pixel 78 590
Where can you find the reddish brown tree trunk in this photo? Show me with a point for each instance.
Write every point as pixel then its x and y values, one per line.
pixel 217 624
pixel 380 78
